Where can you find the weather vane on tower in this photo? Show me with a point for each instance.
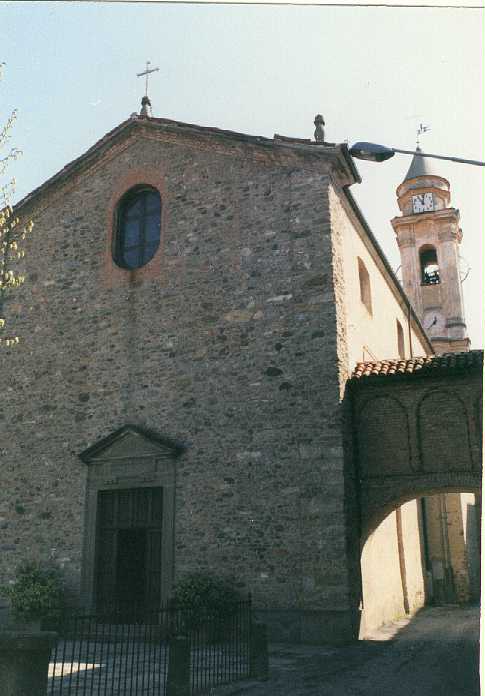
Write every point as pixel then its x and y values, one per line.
pixel 146 105
pixel 422 129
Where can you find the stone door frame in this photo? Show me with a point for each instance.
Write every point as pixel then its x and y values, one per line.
pixel 129 458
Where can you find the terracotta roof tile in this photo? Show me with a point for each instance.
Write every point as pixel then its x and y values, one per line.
pixel 472 359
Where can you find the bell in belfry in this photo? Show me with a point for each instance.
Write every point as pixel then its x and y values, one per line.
pixel 319 132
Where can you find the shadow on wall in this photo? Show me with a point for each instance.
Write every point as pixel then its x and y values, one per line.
pixel 426 551
pixel 393 568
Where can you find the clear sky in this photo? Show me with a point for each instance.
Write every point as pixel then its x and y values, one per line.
pixel 374 73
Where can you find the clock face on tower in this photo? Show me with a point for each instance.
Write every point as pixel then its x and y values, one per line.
pixel 433 323
pixel 423 203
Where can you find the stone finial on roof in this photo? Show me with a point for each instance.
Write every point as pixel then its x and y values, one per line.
pixel 146 107
pixel 319 132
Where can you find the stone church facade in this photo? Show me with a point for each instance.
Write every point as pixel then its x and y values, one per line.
pixel 179 405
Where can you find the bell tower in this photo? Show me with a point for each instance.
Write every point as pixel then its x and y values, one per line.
pixel 428 235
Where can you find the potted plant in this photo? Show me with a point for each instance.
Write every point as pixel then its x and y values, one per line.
pixel 36 596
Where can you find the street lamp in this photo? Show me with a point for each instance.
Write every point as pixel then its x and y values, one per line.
pixel 380 153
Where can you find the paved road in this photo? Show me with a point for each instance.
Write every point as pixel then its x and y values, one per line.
pixel 433 654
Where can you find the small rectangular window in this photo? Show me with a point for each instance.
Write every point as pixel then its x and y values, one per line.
pixel 364 281
pixel 400 340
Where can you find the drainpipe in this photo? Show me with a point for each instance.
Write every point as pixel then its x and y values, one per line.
pixel 402 560
pixel 409 329
pixel 450 589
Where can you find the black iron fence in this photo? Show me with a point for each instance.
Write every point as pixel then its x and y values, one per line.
pixel 130 653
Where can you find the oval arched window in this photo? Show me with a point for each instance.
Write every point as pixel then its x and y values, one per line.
pixel 137 227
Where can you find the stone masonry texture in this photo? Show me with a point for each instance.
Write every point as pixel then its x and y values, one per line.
pixel 232 342
pixel 225 341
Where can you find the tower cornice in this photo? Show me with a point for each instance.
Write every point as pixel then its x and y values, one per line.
pixel 440 194
pixel 450 234
pixel 421 182
pixel 443 215
pixel 408 240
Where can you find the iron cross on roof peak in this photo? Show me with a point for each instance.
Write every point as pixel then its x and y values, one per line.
pixel 145 102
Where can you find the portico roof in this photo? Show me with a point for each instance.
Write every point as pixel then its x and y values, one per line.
pixel 423 366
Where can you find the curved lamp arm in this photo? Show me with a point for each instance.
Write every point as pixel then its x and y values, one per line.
pixel 379 153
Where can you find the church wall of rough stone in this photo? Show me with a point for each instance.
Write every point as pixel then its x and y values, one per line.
pixel 233 346
pixel 225 342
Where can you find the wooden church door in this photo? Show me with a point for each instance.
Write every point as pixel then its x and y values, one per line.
pixel 129 548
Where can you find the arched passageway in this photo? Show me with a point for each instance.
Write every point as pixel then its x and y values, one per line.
pixel 417 436
pixel 416 430
pixel 425 551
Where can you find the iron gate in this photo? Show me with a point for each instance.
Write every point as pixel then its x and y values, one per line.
pixel 128 654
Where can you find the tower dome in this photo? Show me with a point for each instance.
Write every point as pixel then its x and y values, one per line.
pixel 422 179
pixel 420 166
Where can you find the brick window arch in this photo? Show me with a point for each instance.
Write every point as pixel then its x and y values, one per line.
pixel 137 227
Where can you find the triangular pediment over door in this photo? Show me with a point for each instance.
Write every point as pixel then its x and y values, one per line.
pixel 131 442
pixel 130 510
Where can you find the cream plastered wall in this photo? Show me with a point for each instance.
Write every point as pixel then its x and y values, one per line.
pixel 468 507
pixel 457 522
pixel 369 336
pixel 373 335
pixel 392 586
pixel 455 545
pixel 413 556
pixel 382 595
pixel 471 521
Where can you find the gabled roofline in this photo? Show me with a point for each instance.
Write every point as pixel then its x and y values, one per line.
pixel 75 164
pixel 302 146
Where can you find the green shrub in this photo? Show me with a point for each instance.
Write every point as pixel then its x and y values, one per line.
pixel 37 593
pixel 205 597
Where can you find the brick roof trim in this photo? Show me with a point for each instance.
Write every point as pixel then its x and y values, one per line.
pixel 448 363
pixel 123 129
